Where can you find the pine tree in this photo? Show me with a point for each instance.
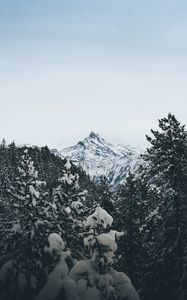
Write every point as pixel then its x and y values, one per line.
pixel 70 202
pixel 28 215
pixel 105 194
pixel 27 237
pixel 131 207
pixel 150 238
pixel 95 277
pixel 167 158
pixel 4 169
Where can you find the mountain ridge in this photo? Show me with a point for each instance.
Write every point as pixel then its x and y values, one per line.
pixel 98 157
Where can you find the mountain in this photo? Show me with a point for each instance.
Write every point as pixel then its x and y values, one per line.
pixel 99 157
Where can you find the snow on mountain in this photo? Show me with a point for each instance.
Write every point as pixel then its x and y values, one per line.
pixel 98 157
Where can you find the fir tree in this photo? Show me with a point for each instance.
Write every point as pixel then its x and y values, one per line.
pixel 70 202
pixel 105 194
pixel 167 158
pixel 4 169
pixel 95 277
pixel 28 234
pixel 131 212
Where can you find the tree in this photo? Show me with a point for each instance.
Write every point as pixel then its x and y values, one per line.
pixel 70 202
pixel 132 207
pixel 28 215
pixel 167 160
pixel 95 277
pixel 25 241
pixel 5 173
pixel 105 194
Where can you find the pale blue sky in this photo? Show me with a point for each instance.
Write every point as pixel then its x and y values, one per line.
pixel 71 66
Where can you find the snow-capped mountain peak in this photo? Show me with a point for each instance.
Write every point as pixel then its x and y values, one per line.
pixel 94 135
pixel 99 157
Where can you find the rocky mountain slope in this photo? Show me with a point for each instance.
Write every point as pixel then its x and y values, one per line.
pixel 99 157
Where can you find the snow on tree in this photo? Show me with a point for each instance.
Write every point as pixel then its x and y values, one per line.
pixel 5 170
pixel 167 170
pixel 56 242
pixel 70 202
pixel 99 218
pixel 32 222
pixel 25 241
pixel 29 197
pixel 58 284
pixel 95 277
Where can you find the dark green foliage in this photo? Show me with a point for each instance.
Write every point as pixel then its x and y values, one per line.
pixel 105 194
pixel 70 201
pixel 150 207
pixel 167 157
pixel 131 210
pixel 28 214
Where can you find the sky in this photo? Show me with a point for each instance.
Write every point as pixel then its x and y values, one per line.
pixel 68 67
